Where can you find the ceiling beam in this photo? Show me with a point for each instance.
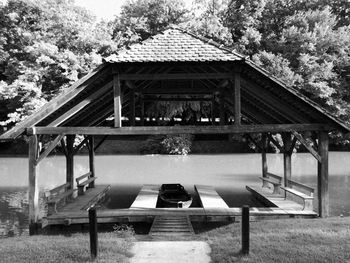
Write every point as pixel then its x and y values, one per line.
pixel 169 76
pixel 225 129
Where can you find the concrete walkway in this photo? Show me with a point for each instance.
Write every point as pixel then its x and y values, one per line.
pixel 171 251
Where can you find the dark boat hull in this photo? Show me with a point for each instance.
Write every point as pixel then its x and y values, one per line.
pixel 174 195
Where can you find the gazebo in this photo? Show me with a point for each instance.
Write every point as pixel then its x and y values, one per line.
pixel 177 65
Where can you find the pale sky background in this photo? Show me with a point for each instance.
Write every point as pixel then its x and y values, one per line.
pixel 103 9
pixel 106 9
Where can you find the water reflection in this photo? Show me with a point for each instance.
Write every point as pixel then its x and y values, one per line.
pixel 14 211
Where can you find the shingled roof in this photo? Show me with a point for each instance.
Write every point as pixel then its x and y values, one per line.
pixel 175 45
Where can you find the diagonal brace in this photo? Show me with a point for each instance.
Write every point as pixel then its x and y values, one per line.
pixel 51 146
pixel 307 146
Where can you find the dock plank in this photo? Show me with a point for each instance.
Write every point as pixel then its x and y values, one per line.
pixel 147 197
pixel 91 196
pixel 209 198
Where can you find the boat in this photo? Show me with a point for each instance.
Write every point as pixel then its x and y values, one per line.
pixel 174 195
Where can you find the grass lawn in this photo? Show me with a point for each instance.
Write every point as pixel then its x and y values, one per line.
pixel 75 248
pixel 290 240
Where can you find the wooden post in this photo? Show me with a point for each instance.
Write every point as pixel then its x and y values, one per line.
pixel 322 175
pixel 237 97
pixel 117 101
pixel 92 159
pixel 245 230
pixel 33 185
pixel 70 161
pixel 93 233
pixel 212 113
pixel 263 157
pixel 222 107
pixel 287 157
pixel 132 107
pixel 142 102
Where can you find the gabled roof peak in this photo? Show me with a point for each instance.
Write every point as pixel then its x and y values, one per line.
pixel 176 44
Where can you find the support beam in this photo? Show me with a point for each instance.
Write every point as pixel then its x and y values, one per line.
pixel 49 149
pixel 132 107
pixel 117 101
pixel 92 159
pixel 100 142
pixel 33 196
pixel 155 130
pixel 222 107
pixel 81 144
pixel 287 158
pixel 142 106
pixel 237 97
pixel 173 76
pixel 322 175
pixel 263 157
pixel 63 147
pixel 307 146
pixel 271 139
pixel 70 161
pixel 212 109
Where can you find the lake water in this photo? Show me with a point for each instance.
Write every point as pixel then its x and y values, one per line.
pixel 228 173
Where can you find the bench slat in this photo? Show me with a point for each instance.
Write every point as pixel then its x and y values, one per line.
pixel 59 197
pixel 59 188
pixel 302 186
pixel 270 181
pixel 297 193
pixel 82 177
pixel 91 179
pixel 277 177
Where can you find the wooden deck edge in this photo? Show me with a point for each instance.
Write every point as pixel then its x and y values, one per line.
pixel 96 198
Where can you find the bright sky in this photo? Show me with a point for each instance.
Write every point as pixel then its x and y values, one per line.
pixel 106 9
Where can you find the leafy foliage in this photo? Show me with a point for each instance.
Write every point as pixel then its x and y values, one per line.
pixel 44 47
pixel 177 144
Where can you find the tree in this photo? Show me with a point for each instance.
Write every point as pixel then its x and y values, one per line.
pixel 143 18
pixel 44 47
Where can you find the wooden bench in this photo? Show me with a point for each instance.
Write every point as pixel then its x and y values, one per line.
pixel 83 182
pixel 307 197
pixel 273 179
pixel 58 195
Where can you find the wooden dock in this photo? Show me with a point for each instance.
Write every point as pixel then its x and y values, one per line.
pixel 143 209
pixel 81 203
pixel 147 197
pixel 209 198
pixel 266 196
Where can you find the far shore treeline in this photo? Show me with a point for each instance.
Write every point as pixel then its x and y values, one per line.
pixel 46 45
